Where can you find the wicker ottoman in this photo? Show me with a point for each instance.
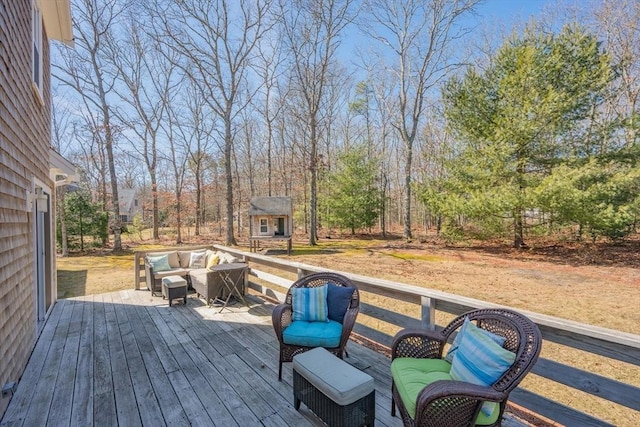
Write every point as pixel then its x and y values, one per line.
pixel 174 287
pixel 335 391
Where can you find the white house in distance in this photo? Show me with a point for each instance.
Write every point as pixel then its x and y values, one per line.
pixel 270 218
pixel 129 204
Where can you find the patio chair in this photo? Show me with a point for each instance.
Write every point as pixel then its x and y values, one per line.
pixel 430 390
pixel 299 323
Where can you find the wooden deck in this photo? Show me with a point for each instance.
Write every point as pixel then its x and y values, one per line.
pixel 127 358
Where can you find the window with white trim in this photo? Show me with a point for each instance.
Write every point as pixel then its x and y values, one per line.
pixel 36 33
pixel 264 228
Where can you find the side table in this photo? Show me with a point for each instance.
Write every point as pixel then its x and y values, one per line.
pixel 232 287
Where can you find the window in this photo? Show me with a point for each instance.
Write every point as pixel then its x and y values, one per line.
pixel 264 228
pixel 36 32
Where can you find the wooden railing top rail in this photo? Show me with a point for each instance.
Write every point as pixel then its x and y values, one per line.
pixel 414 294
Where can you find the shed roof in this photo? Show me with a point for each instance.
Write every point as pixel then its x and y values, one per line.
pixel 270 206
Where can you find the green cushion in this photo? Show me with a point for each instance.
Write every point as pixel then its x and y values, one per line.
pixel 411 375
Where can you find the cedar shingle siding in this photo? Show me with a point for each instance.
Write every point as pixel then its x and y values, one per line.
pixel 24 155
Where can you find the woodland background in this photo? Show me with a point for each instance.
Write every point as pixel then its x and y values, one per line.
pixel 373 115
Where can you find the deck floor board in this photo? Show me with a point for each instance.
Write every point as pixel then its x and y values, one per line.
pixel 126 358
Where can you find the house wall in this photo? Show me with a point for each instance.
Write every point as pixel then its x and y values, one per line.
pixel 24 159
pixel 271 221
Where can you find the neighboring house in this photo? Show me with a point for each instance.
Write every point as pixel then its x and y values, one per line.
pixel 129 204
pixel 270 218
pixel 29 172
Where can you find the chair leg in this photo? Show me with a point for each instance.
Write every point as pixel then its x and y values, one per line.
pixel 280 371
pixel 393 407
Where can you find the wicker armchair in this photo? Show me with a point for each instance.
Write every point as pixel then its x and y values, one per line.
pixel 457 403
pixel 282 315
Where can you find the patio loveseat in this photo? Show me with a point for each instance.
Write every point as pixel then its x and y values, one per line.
pixel 198 267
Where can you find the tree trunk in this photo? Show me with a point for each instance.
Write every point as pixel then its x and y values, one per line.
pixel 230 238
pixel 407 198
pixel 313 166
pixel 518 236
pixel 198 196
pixel 154 199
pixel 62 191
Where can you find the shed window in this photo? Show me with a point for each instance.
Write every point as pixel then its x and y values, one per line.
pixel 264 228
pixel 36 33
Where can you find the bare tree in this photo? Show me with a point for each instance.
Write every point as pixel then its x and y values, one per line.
pixel 619 25
pixel 61 117
pixel 202 126
pixel 180 137
pixel 417 34
pixel 217 40
pixel 312 33
pixel 86 70
pixel 147 77
pixel 268 65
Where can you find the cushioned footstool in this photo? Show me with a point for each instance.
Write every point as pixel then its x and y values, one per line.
pixel 335 391
pixel 174 287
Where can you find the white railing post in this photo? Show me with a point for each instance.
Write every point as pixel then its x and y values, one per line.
pixel 428 311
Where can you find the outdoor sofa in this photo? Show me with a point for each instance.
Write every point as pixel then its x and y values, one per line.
pixel 198 267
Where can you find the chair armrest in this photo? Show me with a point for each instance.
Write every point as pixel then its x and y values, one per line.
pixel 462 399
pixel 418 343
pixel 148 268
pixel 281 318
pixel 348 322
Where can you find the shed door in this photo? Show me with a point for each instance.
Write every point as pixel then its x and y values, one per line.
pixel 280 229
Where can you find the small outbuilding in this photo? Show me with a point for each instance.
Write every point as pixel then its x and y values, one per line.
pixel 270 218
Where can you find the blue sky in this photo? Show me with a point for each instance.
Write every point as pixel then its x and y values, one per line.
pixel 511 10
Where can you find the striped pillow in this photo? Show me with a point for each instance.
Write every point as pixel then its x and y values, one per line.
pixel 456 342
pixel 480 360
pixel 309 304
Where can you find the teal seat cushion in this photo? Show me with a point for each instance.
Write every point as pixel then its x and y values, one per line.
pixel 411 375
pixel 313 334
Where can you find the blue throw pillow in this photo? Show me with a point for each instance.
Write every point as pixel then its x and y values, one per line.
pixel 456 342
pixel 480 360
pixel 159 263
pixel 338 301
pixel 309 304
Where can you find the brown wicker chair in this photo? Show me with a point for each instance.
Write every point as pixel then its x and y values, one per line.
pixel 282 315
pixel 457 403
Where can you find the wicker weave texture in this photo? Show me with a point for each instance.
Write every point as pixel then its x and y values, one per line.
pixel 456 403
pixel 281 316
pixel 359 413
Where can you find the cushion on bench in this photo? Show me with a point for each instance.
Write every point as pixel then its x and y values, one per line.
pixel 334 377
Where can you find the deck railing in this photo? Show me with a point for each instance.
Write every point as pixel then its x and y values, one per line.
pixel 610 344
